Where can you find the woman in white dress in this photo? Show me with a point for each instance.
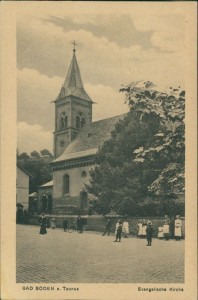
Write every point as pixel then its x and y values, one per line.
pixel 139 229
pixel 125 228
pixel 178 228
pixel 144 226
pixel 166 228
pixel 160 232
pixel 116 227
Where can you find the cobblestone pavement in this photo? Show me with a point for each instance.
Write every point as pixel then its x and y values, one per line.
pixel 60 257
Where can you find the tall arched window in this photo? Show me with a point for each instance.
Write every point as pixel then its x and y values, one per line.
pixel 63 121
pixel 80 120
pixel 65 184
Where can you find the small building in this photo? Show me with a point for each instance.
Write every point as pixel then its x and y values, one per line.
pixel 22 188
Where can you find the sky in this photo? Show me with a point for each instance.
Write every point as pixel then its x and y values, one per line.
pixel 113 49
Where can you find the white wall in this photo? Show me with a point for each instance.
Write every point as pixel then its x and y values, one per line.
pixel 22 188
pixel 76 182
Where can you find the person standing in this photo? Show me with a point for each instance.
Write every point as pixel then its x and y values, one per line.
pixel 43 224
pixel 47 222
pixel 166 228
pixel 160 232
pixel 79 224
pixel 107 228
pixel 116 227
pixel 53 223
pixel 139 229
pixel 65 225
pixel 149 233
pixel 125 228
pixel 118 232
pixel 144 226
pixel 178 228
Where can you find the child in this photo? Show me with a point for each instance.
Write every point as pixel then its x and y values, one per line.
pixel 149 233
pixel 160 232
pixel 139 229
pixel 166 228
pixel 118 232
pixel 144 226
pixel 178 228
pixel 53 223
pixel 65 225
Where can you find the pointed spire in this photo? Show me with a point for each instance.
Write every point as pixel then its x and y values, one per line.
pixel 73 78
pixel 73 85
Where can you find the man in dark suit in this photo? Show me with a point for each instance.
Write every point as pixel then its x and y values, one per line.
pixel 149 233
pixel 107 227
pixel 119 232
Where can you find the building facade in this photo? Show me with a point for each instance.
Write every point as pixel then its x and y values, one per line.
pixel 76 141
pixel 73 109
pixel 22 188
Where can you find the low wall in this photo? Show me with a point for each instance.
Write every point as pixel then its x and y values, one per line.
pixel 97 223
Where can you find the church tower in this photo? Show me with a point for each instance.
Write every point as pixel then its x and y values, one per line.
pixel 73 108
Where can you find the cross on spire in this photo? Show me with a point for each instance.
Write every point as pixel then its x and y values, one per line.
pixel 74 43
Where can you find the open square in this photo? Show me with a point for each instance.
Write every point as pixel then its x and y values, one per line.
pixel 62 257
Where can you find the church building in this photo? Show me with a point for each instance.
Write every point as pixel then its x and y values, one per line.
pixel 76 140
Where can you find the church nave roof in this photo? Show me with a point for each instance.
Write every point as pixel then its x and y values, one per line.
pixel 89 138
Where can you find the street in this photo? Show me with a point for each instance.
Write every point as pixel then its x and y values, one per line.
pixel 62 257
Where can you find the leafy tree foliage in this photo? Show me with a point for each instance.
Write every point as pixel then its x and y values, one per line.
pixel 38 167
pixel 145 155
pixel 45 152
pixel 35 154
pixel 23 155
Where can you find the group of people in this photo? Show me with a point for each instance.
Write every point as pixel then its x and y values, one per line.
pixel 164 229
pixel 141 229
pixel 144 228
pixel 21 216
pixel 122 229
pixel 119 224
pixel 45 223
pixel 79 224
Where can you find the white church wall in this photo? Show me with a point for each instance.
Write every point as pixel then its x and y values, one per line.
pixel 77 180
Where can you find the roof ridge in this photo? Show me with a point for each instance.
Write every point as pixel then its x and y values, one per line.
pixel 108 118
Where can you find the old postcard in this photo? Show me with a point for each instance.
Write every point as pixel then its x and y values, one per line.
pixel 98 150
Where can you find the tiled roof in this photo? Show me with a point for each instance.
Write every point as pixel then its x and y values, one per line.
pixel 90 138
pixel 73 85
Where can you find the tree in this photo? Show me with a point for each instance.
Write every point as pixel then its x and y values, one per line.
pixel 145 155
pixel 169 144
pixel 39 168
pixel 23 155
pixel 46 152
pixel 35 154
